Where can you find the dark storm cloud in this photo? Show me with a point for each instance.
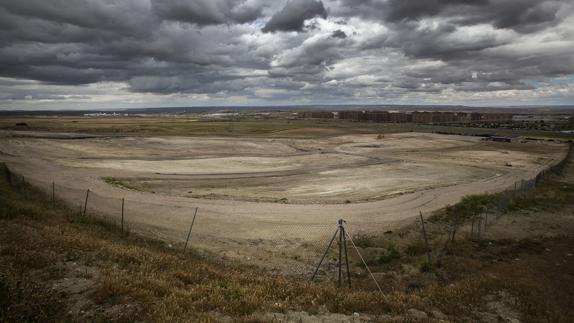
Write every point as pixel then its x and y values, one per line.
pixel 294 14
pixel 222 48
pixel 467 36
pixel 443 41
pixel 519 15
pixel 127 16
pixel 39 43
pixel 206 12
pixel 397 10
pixel 339 34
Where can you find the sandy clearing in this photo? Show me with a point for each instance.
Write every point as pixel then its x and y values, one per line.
pixel 229 165
pixel 248 178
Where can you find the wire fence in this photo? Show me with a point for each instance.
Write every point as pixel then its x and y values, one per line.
pixel 283 247
pixel 300 249
pixel 477 224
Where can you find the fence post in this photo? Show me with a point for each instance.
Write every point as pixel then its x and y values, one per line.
pixel 86 202
pixel 190 227
pixel 123 202
pixel 25 188
pixel 425 237
pixel 454 227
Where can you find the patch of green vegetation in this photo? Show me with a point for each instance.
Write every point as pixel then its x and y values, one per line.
pixel 390 255
pixel 549 194
pixel 120 183
pixel 470 206
pixel 416 248
pixel 363 240
pixel 382 257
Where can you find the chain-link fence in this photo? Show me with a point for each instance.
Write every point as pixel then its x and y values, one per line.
pixel 280 246
pixel 496 205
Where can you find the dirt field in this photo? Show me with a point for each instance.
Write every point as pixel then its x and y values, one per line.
pixel 254 190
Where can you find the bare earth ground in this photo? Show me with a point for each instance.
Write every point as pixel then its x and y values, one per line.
pixel 271 193
pixel 56 266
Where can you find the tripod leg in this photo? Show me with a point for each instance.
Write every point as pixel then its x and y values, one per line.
pixel 324 255
pixel 346 257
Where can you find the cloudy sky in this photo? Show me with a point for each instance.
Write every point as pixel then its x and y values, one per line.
pixel 146 53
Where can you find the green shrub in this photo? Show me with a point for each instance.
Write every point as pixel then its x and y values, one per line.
pixel 390 255
pixel 363 240
pixel 416 248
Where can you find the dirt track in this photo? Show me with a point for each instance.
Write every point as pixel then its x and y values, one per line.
pixel 251 190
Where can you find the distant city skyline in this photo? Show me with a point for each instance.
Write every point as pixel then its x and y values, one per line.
pixel 116 54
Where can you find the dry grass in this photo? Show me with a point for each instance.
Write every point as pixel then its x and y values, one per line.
pixel 163 284
pixel 534 275
pixel 132 278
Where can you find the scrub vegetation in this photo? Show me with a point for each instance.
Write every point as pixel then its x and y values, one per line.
pixel 119 183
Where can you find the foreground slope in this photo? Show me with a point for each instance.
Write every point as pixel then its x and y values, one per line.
pixel 56 266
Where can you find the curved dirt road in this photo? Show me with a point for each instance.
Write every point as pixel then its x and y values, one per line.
pixel 223 224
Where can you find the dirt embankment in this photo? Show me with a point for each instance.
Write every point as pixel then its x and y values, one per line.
pixel 55 266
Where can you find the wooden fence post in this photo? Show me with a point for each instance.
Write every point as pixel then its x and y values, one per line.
pixel 425 237
pixel 25 188
pixel 485 219
pixel 190 227
pixel 86 202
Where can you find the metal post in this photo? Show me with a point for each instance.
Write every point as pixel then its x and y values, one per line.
pixel 425 237
pixel 346 256
pixel 454 227
pixel 25 188
pixel 324 254
pixel 123 202
pixel 340 252
pixel 86 202
pixel 190 227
